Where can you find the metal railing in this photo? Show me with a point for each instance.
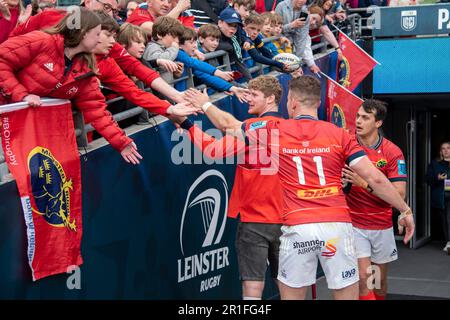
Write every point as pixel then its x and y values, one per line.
pixel 354 29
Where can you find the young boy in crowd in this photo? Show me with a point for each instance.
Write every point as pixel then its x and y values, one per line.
pixel 283 45
pixel 134 40
pixel 252 42
pixel 164 45
pixel 267 31
pixel 208 41
pixel 188 46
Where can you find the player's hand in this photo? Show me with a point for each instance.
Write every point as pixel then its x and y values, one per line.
pixel 33 100
pixel 130 154
pixel 197 98
pixel 176 120
pixel 168 65
pixel 349 176
pixel 182 109
pixel 442 176
pixel 408 223
pixel 225 75
pixel 240 93
pixel 314 69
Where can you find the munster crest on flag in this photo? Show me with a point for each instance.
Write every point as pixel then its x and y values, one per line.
pixel 41 153
pixel 355 65
pixel 342 106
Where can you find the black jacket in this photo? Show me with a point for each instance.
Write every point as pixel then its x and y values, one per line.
pixel 437 186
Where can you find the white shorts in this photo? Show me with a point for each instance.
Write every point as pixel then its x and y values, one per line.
pixel 302 246
pixel 378 245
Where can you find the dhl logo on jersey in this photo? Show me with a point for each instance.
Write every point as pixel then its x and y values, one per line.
pixel 318 193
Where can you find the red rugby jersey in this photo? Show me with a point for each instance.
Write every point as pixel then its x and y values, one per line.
pixel 311 156
pixel 256 195
pixel 367 210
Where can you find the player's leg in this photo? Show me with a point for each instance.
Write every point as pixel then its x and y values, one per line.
pixel 348 293
pixel 297 261
pixel 290 293
pixel 338 259
pixel 384 250
pixel 363 253
pixel 252 251
pixel 273 237
pixel 381 291
pixel 365 273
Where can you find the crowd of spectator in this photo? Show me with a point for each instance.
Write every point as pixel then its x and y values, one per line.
pixel 158 43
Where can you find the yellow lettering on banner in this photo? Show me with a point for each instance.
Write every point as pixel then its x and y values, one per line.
pixel 317 193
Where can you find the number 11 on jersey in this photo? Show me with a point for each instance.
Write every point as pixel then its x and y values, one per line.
pixel 301 173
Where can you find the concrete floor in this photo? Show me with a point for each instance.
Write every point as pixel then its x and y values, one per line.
pixel 423 273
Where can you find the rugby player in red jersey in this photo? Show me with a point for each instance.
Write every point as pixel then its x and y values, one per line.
pixel 255 198
pixel 316 219
pixel 371 216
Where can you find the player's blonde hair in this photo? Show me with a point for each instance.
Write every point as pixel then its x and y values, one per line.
pixel 268 85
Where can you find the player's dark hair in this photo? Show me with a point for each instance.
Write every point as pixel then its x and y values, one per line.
pixel 306 88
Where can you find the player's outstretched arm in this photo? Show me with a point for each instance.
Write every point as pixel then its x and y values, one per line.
pixel 384 189
pixel 222 120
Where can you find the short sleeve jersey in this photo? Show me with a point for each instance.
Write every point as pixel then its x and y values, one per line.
pixel 311 154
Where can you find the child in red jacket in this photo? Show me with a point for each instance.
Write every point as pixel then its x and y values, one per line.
pixel 59 64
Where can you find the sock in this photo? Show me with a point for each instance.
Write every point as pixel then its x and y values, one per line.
pixel 377 297
pixel 369 296
pixel 251 298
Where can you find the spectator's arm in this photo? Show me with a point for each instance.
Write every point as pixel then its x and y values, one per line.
pixel 195 64
pixel 92 104
pixel 15 54
pixel 308 54
pixel 132 66
pixel 116 80
pixel 258 57
pixel 155 51
pixel 213 81
pixel 329 36
pixel 167 90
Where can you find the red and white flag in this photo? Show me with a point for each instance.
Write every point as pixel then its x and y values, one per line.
pixel 342 106
pixel 41 152
pixel 355 65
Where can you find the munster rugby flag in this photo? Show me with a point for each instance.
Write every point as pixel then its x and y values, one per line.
pixel 355 65
pixel 41 152
pixel 342 106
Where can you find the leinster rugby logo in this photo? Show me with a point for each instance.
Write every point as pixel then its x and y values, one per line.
pixel 409 20
pixel 344 72
pixel 51 188
pixel 204 215
pixel 337 116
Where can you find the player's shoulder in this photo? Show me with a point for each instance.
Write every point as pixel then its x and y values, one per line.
pixel 390 147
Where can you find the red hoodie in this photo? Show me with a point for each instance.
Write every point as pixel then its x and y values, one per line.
pixel 112 76
pixel 34 64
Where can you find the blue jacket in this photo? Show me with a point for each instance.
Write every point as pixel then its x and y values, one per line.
pixel 437 186
pixel 203 71
pixel 270 46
